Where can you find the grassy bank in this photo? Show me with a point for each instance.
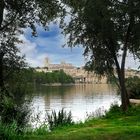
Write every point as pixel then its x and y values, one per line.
pixel 114 126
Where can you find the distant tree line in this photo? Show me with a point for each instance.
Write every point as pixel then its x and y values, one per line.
pixel 49 77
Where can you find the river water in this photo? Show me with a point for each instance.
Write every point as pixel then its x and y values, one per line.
pixel 79 99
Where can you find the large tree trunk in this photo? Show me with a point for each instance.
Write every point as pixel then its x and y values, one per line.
pixel 124 94
pixel 121 77
pixel 1 11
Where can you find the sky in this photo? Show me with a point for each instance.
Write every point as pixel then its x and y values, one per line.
pixel 49 44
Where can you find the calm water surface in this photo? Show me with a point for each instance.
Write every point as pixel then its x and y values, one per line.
pixel 79 99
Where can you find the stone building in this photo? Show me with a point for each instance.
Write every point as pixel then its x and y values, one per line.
pixel 78 73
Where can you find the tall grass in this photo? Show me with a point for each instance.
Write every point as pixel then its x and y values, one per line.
pixel 9 131
pixel 98 113
pixel 59 119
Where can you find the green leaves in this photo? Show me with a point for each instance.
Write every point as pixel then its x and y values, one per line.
pixel 102 26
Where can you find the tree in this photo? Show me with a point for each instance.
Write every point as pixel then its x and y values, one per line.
pixel 10 60
pixel 107 29
pixel 15 15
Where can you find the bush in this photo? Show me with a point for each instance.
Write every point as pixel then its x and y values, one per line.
pixel 14 108
pixel 59 119
pixel 41 130
pixel 8 132
pixel 133 87
pixel 115 110
pixel 11 112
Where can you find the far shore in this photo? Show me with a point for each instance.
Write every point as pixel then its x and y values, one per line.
pixel 134 101
pixel 68 84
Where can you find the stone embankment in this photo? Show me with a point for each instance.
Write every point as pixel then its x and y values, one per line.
pixel 135 101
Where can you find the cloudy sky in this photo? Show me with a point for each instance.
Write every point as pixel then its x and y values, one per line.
pixel 49 44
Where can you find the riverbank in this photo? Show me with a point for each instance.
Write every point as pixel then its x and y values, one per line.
pixel 135 101
pixel 72 84
pixel 59 84
pixel 114 126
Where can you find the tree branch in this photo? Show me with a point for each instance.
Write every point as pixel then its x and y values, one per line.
pixel 111 46
pixel 2 5
pixel 125 48
pixel 5 26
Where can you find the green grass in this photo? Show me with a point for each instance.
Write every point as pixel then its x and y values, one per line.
pixel 114 126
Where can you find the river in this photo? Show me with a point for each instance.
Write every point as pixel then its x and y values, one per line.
pixel 79 99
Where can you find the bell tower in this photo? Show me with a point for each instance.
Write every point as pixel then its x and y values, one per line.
pixel 46 62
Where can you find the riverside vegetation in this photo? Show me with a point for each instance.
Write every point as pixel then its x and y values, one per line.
pixel 15 116
pixel 48 77
pixel 108 29
pixel 115 124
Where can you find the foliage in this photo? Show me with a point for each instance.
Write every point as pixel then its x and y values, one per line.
pixel 30 75
pixel 23 13
pixel 8 132
pixel 118 126
pixel 48 77
pixel 10 59
pixel 133 87
pixel 112 80
pixel 14 17
pixel 11 111
pixel 14 107
pixel 102 26
pixel 61 118
pixel 114 111
pixel 107 29
pixel 58 77
pixel 41 130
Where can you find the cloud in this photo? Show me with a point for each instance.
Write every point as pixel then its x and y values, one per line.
pixel 49 44
pixel 29 49
pixel 131 62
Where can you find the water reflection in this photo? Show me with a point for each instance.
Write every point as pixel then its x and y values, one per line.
pixel 80 99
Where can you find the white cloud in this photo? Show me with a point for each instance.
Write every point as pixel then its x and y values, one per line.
pixel 49 44
pixel 29 49
pixel 131 62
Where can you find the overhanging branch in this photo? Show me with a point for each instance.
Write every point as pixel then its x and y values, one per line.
pixel 5 26
pixel 126 43
pixel 2 4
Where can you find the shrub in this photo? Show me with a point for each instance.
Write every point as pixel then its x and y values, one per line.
pixel 59 119
pixel 41 130
pixel 8 132
pixel 133 87
pixel 11 112
pixel 14 108
pixel 115 110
